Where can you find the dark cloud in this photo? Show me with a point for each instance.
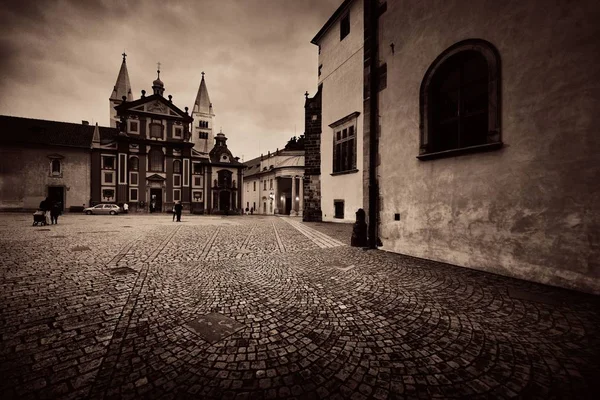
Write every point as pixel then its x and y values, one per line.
pixel 59 59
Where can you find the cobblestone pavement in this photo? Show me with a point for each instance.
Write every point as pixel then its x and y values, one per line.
pixel 268 307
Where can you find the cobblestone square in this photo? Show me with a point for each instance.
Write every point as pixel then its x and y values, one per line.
pixel 100 306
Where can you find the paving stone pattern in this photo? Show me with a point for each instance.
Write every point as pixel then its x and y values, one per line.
pixel 113 307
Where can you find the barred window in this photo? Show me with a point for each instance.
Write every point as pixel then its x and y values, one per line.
pixel 156 160
pixel 156 130
pixel 344 149
pixel 460 95
pixel 134 163
pixel 176 167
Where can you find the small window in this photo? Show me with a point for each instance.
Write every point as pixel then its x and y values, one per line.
pixel 203 135
pixel 177 131
pixel 197 168
pixel 265 185
pixel 133 194
pixel 176 194
pixel 198 181
pixel 134 163
pixel 133 127
pixel 338 206
pixel 55 167
pixel 176 167
pixel 254 185
pixel 344 26
pixel 108 162
pixel 156 130
pixel 176 180
pixel 271 184
pixel 108 177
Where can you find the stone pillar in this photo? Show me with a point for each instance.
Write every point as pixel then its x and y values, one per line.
pixel 301 195
pixel 293 211
pixel 276 198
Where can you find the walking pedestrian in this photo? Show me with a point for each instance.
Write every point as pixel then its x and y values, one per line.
pixel 125 208
pixel 178 209
pixel 55 212
pixel 174 211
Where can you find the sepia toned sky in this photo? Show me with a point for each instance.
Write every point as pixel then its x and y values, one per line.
pixel 59 60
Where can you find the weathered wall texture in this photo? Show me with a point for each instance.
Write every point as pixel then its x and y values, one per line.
pixel 25 176
pixel 312 154
pixel 342 93
pixel 532 209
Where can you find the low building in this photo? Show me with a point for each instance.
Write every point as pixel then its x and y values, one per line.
pixel 40 159
pixel 273 183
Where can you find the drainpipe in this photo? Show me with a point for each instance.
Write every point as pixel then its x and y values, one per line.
pixel 373 21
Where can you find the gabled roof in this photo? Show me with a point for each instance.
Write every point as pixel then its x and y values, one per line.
pixel 130 105
pixel 122 86
pixel 338 13
pixel 202 103
pixel 17 130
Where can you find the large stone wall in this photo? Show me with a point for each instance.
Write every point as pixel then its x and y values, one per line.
pixel 531 209
pixel 25 176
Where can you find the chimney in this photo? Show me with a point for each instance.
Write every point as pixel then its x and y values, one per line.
pixel 84 122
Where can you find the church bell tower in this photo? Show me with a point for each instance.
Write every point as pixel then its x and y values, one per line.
pixel 202 112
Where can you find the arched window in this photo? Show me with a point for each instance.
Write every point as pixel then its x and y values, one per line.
pixel 156 160
pixel 460 97
pixel 176 167
pixel 134 163
pixel 55 167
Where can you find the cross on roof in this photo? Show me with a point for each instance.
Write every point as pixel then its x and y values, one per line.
pixel 158 65
pixel 124 55
pixel 202 74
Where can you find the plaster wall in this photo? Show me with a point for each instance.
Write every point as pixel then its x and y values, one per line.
pixel 342 79
pixel 25 176
pixel 530 210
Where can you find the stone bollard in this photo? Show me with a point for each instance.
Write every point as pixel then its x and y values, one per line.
pixel 359 231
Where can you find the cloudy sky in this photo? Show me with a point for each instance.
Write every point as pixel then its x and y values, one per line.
pixel 59 60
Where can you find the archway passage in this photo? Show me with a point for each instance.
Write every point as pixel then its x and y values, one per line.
pixel 225 201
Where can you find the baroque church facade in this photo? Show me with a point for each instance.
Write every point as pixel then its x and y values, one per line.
pixel 152 155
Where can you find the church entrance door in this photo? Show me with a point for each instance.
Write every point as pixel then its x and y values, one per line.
pixel 156 196
pixel 57 194
pixel 225 201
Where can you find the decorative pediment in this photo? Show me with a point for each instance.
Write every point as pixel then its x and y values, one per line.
pixel 157 107
pixel 155 178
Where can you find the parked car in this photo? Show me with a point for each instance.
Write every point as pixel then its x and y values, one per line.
pixel 111 209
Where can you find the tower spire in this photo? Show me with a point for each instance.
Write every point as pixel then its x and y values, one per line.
pixel 202 103
pixel 122 86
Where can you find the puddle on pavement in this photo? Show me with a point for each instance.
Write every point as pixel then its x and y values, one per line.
pixel 80 248
pixel 214 327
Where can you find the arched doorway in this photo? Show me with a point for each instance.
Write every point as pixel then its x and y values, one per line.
pixel 225 201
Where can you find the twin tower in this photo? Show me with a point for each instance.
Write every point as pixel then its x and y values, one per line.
pixel 202 111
